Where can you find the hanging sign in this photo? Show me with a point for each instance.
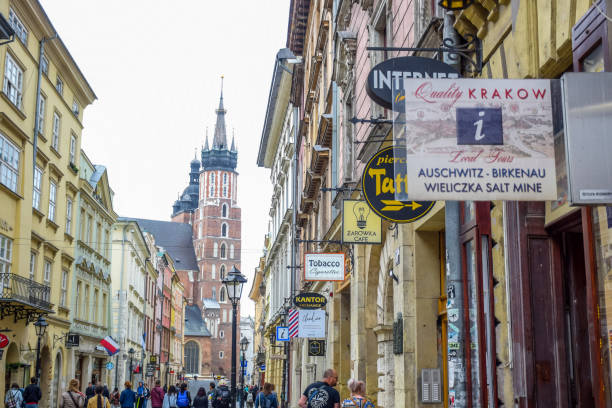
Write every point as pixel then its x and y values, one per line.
pixel 316 348
pixel 479 139
pixel 323 266
pixel 379 183
pixel 312 324
pixel 360 225
pixel 282 333
pixel 4 340
pixel 309 300
pixel 390 74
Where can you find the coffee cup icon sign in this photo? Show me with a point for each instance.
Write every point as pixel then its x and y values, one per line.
pixel 361 211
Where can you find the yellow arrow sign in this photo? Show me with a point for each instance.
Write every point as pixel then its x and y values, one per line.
pixel 394 205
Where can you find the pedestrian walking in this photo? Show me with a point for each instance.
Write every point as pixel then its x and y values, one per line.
pixel 267 397
pixel 147 396
pixel 105 392
pixel 157 395
pixel 170 398
pixel 127 399
pixel 98 400
pixel 13 398
pixel 212 396
pixel 358 397
pixel 139 394
pixel 32 394
pixel 114 398
pixel 249 398
pixel 73 397
pixel 321 394
pixel 183 398
pixel 201 399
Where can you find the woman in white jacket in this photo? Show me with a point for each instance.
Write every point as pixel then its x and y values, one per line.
pixel 13 398
pixel 170 398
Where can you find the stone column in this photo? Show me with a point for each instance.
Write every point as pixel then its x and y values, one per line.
pixel 385 366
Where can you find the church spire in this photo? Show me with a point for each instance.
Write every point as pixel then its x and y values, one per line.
pixel 233 148
pixel 220 137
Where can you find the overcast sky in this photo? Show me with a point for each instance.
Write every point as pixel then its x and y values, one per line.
pixel 155 67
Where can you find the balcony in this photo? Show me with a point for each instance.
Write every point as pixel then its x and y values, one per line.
pixel 23 298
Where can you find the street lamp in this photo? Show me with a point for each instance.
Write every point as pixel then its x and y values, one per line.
pixel 40 327
pixel 233 285
pixel 131 352
pixel 244 345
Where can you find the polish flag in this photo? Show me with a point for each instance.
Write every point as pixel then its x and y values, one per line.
pixel 110 345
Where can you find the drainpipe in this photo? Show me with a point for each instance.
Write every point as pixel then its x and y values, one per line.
pixel 454 282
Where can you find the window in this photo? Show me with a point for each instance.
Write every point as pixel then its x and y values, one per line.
pixel 21 31
pixel 224 211
pixel 9 163
pixel 13 81
pixel 213 272
pixel 52 198
pixel 222 251
pixel 68 215
pixel 95 306
pixel 214 293
pixel 192 354
pixel 221 354
pixel 32 265
pixel 64 287
pixel 224 184
pixel 231 251
pixel 41 114
pixel 6 254
pixel 104 307
pixel 59 85
pixel 56 131
pixel 45 65
pixel 47 275
pixel 215 249
pixel 75 107
pixel 221 334
pixel 73 141
pixel 222 272
pixel 222 295
pixel 224 230
pixel 77 297
pixel 36 189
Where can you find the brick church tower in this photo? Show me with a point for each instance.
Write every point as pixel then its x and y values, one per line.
pixel 216 222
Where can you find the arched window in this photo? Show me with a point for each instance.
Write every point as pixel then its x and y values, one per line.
pixel 224 230
pixel 221 354
pixel 224 211
pixel 213 271
pixel 215 249
pixel 212 185
pixel 192 357
pixel 224 184
pixel 223 251
pixel 222 295
pixel 222 272
pixel 232 251
pixel 214 293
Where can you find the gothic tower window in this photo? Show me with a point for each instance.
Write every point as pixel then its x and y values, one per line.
pixel 215 249
pixel 224 184
pixel 192 354
pixel 222 295
pixel 224 230
pixel 223 254
pixel 213 272
pixel 224 211
pixel 212 185
pixel 222 272
pixel 231 251
pixel 214 293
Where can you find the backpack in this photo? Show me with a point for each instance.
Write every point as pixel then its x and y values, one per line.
pixel 182 399
pixel 11 403
pixel 249 398
pixel 223 397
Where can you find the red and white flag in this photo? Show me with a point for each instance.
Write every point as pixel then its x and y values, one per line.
pixel 110 345
pixel 294 315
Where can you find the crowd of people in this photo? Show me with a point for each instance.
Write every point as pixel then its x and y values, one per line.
pixel 320 394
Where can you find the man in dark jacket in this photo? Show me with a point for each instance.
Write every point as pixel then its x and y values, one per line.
pixel 157 395
pixel 32 394
pixel 90 391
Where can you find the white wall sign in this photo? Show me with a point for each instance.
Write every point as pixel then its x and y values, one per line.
pixel 479 139
pixel 312 324
pixel 323 266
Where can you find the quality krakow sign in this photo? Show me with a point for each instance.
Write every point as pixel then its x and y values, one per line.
pixel 380 182
pixel 323 266
pixel 479 139
pixel 384 83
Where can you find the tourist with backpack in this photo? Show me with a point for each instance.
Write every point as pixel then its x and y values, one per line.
pixel 223 396
pixel 183 399
pixel 13 398
pixel 249 398
pixel 170 398
pixel 73 398
pixel 321 394
pixel 267 398
pixel 358 398
pixel 201 399
pixel 127 399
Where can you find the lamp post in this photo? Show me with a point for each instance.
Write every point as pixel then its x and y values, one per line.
pixel 41 327
pixel 233 285
pixel 131 352
pixel 244 345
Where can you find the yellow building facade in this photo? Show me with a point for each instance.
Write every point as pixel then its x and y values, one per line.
pixel 38 195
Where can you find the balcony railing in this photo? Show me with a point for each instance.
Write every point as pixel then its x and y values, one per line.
pixel 15 288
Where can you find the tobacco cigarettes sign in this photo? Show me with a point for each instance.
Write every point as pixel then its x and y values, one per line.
pixel 479 139
pixel 323 266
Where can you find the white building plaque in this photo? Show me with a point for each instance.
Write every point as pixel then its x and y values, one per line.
pixel 324 266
